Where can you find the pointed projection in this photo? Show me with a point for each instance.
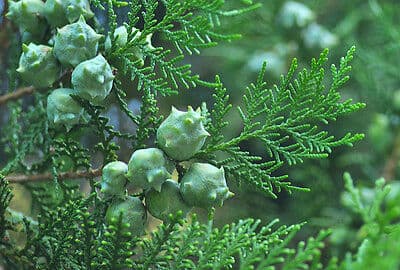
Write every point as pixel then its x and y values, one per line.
pixel 61 12
pixel 114 179
pixel 204 186
pixel 133 213
pixel 27 14
pixel 167 201
pixel 38 66
pixel 93 79
pixel 63 110
pixel 182 134
pixel 75 43
pixel 149 168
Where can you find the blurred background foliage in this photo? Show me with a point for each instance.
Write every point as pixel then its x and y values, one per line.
pixel 277 32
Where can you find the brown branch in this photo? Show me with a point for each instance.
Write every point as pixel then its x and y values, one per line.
pixel 20 92
pixel 16 94
pixel 21 178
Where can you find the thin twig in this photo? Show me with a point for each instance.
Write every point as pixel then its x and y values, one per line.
pixel 20 92
pixel 16 94
pixel 21 178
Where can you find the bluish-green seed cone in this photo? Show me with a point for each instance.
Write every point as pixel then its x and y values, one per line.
pixel 149 168
pixel 133 212
pixel 168 201
pixel 38 66
pixel 295 14
pixel 121 38
pixel 75 43
pixel 55 13
pixel 63 110
pixel 204 186
pixel 114 179
pixel 93 79
pixel 61 12
pixel 182 134
pixel 74 9
pixel 28 15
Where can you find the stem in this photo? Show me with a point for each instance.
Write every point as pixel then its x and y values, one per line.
pixel 16 94
pixel 21 178
pixel 20 92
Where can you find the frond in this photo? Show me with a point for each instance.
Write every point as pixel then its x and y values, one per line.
pixel 288 119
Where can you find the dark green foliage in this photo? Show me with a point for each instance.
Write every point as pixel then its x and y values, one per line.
pixel 385 248
pixel 287 119
pixel 104 131
pixel 379 231
pixel 70 155
pixel 26 133
pixel 188 25
pixel 147 121
pixel 243 245
pixel 5 198
pixel 66 226
pixel 115 248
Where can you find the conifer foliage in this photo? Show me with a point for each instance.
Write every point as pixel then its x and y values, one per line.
pixel 92 64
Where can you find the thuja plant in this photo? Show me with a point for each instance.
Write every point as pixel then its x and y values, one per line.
pixel 73 66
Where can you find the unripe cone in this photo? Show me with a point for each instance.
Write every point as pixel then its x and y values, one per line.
pixel 168 201
pixel 204 186
pixel 295 14
pixel 133 212
pixel 38 66
pixel 121 39
pixel 149 168
pixel 182 134
pixel 75 43
pixel 27 15
pixel 63 110
pixel 114 179
pixel 137 52
pixel 55 13
pixel 317 36
pixel 62 12
pixel 93 79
